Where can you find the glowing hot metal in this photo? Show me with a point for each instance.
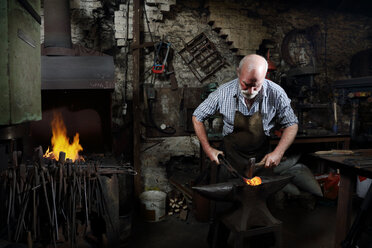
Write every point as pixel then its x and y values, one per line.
pixel 254 181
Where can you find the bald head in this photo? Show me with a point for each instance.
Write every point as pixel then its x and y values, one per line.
pixel 253 61
pixel 251 73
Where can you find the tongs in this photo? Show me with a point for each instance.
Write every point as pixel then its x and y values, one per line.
pixel 232 170
pixel 254 167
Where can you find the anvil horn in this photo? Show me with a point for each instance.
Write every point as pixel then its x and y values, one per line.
pixel 218 191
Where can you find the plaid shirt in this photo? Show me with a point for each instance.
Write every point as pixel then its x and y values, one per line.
pixel 275 108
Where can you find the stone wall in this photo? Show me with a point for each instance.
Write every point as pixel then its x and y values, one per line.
pixel 235 27
pixel 242 30
pixel 336 37
pixel 157 152
pixel 182 23
pixel 339 35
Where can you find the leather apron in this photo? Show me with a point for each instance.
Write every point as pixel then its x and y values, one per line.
pixel 247 140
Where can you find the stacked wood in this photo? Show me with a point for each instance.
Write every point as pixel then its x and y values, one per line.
pixel 178 205
pixel 187 192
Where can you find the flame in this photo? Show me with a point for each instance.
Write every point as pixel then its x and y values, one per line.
pixel 254 181
pixel 60 141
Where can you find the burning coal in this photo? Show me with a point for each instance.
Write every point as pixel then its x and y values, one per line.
pixel 60 141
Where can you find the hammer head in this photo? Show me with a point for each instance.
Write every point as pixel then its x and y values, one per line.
pixel 250 169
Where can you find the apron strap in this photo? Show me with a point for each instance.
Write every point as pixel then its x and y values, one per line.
pixel 237 99
pixel 260 104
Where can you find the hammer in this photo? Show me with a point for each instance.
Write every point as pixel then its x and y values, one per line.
pixel 253 167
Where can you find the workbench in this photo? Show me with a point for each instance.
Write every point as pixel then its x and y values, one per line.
pixel 342 141
pixel 359 163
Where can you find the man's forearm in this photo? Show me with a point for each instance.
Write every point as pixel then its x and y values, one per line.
pixel 288 136
pixel 201 133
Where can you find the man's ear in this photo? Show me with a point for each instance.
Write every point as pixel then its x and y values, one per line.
pixel 237 71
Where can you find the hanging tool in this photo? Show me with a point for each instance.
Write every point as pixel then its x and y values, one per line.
pixel 160 68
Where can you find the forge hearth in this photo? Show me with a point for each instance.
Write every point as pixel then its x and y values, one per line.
pixel 68 66
pixel 75 81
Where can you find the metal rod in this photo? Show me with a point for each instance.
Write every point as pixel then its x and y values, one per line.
pixel 231 169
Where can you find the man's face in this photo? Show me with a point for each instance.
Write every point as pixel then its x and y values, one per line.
pixel 250 82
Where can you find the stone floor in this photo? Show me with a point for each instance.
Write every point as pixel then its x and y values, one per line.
pixel 304 226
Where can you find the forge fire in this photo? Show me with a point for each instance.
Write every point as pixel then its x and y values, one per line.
pixel 61 143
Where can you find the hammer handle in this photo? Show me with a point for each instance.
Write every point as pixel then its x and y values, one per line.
pixel 259 164
pixel 263 163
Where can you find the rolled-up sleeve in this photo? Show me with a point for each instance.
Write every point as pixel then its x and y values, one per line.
pixel 285 114
pixel 208 107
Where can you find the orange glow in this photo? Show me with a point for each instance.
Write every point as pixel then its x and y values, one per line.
pixel 254 181
pixel 60 141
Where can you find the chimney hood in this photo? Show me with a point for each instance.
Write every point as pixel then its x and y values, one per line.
pixel 64 65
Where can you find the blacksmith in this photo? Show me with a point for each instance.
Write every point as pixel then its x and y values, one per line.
pixel 251 106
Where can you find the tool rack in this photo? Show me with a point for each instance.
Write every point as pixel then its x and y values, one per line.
pixel 202 57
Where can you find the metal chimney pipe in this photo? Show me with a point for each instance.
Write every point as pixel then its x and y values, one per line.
pixel 57 27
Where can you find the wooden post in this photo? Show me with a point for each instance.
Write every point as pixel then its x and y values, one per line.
pixel 136 94
pixel 344 205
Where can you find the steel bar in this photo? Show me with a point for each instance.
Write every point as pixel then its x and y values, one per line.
pixel 87 229
pixel 36 183
pixel 66 190
pixel 137 14
pixel 21 217
pixel 54 218
pixel 9 211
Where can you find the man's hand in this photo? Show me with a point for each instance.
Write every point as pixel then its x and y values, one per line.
pixel 272 159
pixel 212 154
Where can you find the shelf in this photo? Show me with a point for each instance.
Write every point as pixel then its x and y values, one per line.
pixel 313 106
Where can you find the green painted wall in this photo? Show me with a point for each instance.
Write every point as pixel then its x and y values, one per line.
pixel 20 78
pixel 4 79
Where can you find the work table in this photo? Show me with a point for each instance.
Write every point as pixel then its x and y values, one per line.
pixel 358 163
